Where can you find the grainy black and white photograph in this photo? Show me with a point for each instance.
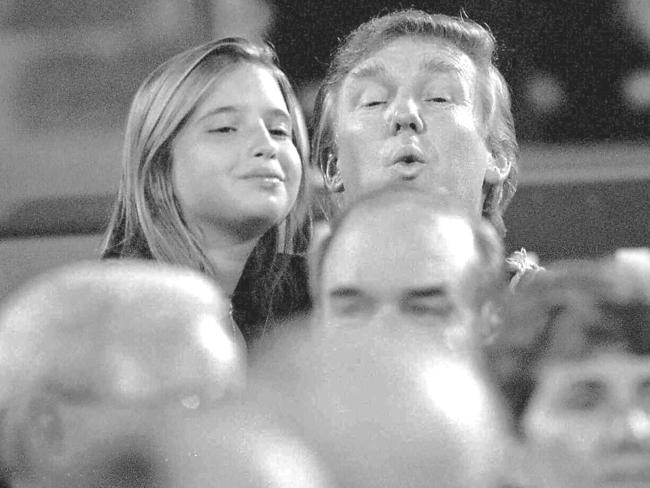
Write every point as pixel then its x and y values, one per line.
pixel 324 243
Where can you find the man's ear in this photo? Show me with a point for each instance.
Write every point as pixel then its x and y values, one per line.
pixel 333 179
pixel 44 433
pixel 498 169
pixel 489 320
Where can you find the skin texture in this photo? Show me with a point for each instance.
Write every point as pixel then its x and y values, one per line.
pixel 588 422
pixel 238 142
pixel 399 266
pixel 415 97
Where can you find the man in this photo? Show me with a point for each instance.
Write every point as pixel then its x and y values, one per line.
pixel 402 256
pixel 573 362
pixel 412 97
pixel 89 352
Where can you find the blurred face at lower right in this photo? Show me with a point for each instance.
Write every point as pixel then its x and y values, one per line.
pixel 399 267
pixel 588 422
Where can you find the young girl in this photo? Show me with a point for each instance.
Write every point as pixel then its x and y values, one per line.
pixel 213 178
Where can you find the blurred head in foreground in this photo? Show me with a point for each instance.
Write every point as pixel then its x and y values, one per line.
pixel 238 446
pixel 400 255
pixel 573 362
pixel 387 408
pixel 88 351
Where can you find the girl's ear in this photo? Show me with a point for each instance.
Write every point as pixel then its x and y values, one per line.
pixel 497 170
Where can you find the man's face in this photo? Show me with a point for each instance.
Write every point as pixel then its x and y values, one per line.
pixel 588 422
pixel 409 113
pixel 398 269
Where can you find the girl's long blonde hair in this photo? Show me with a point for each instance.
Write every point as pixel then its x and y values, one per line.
pixel 147 219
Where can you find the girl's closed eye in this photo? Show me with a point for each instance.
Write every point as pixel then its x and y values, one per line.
pixel 223 129
pixel 280 131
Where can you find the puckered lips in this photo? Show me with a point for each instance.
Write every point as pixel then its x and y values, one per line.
pixel 408 162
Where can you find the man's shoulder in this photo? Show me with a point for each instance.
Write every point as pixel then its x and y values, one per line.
pixel 522 266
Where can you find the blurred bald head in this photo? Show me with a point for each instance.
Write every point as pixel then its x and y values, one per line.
pixel 239 445
pixel 386 408
pixel 83 346
pixel 403 255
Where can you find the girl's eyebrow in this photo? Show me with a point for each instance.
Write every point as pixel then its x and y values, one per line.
pixel 274 112
pixel 219 110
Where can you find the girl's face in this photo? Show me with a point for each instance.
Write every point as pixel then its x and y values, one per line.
pixel 235 167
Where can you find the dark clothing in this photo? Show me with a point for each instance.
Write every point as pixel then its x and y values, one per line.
pixel 255 314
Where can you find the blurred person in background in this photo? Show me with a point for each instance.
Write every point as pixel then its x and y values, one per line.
pixel 213 178
pixel 573 363
pixel 400 256
pixel 89 352
pixel 385 407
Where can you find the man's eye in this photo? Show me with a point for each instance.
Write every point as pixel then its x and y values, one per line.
pixel 349 308
pixel 437 99
pixel 587 397
pixel 373 103
pixel 426 309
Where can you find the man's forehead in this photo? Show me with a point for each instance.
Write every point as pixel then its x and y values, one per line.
pixel 404 223
pixel 433 55
pixel 416 251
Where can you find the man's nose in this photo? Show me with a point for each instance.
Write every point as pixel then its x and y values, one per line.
pixel 386 316
pixel 406 116
pixel 630 429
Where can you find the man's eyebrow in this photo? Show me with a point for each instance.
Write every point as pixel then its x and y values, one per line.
pixel 376 69
pixel 427 292
pixel 435 65
pixel 345 292
pixel 370 69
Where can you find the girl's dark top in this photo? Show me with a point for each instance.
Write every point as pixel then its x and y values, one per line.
pixel 259 312
pixel 258 315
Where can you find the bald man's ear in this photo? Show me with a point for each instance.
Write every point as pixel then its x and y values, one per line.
pixel 498 169
pixel 32 440
pixel 43 434
pixel 489 321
